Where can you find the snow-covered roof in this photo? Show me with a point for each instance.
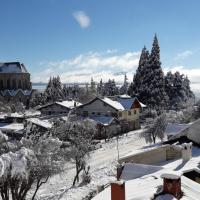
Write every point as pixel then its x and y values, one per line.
pixel 191 132
pixel 104 120
pixel 13 93
pixel 124 96
pixel 145 186
pixel 69 104
pixel 16 115
pixel 126 102
pixel 32 113
pixel 39 122
pixel 115 104
pixel 142 105
pixel 11 126
pixel 174 128
pixel 12 67
pixel 133 170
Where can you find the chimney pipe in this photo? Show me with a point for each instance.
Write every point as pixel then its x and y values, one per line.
pixel 172 184
pixel 186 151
pixel 118 190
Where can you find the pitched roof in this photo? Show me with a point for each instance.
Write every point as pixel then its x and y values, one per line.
pixel 123 102
pixel 104 120
pixel 40 122
pixel 115 104
pixel 191 132
pixel 67 104
pixel 174 128
pixel 12 67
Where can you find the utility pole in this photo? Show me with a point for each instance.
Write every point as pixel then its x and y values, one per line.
pixel 117 149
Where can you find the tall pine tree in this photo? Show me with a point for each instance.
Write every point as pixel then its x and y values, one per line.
pixel 141 79
pixel 157 97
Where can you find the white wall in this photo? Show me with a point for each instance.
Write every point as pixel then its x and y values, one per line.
pixel 97 107
pixel 54 109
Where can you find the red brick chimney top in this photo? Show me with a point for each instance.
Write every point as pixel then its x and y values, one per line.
pixel 172 184
pixel 118 190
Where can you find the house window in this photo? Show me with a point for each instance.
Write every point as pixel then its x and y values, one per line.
pixel 105 104
pixel 120 114
pixel 99 113
pixel 85 113
pixel 135 112
pixel 93 113
pixel 129 112
pixel 19 84
pixel 14 84
pixel 1 84
pixel 8 84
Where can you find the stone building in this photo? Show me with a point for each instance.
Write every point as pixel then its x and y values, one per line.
pixel 15 82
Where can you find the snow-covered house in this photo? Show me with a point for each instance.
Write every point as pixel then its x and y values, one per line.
pixel 121 107
pixel 59 107
pixel 42 125
pixel 106 125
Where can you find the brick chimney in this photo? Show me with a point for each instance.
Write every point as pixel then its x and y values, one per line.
pixel 172 184
pixel 118 190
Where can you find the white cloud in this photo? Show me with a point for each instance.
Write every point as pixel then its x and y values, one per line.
pixel 83 19
pixel 98 65
pixel 183 55
pixel 105 65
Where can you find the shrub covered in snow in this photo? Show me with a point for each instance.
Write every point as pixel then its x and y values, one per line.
pixel 28 164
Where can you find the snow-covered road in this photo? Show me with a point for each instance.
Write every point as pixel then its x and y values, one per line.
pixel 102 163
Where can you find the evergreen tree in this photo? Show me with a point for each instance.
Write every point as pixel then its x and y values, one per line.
pixel 156 96
pixel 177 87
pixel 92 86
pixel 110 88
pixel 54 90
pixel 140 85
pixel 65 91
pixel 141 72
pixel 124 87
pixel 100 88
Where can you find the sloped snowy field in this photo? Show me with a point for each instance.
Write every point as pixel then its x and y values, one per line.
pixel 102 162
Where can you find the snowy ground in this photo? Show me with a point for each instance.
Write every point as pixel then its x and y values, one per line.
pixel 102 162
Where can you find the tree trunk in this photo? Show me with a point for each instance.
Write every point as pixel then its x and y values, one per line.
pixel 38 186
pixel 154 140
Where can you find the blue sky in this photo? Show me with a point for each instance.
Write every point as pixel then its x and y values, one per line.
pixel 78 39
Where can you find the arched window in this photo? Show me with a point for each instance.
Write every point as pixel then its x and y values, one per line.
pixel 8 84
pixel 19 84
pixel 14 86
pixel 26 85
pixel 1 85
